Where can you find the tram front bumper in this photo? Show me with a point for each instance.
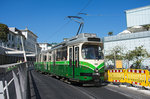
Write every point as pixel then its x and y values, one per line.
pixel 96 77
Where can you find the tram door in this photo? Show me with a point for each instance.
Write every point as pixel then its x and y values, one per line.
pixel 73 59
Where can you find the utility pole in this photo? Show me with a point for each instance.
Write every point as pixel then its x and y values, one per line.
pixel 115 59
pixel 24 53
pixel 36 52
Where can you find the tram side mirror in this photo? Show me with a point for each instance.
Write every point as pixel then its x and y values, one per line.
pixel 77 56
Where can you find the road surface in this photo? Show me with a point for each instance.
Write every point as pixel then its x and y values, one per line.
pixel 46 87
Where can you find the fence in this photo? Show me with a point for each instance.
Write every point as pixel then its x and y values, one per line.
pixel 132 76
pixel 13 81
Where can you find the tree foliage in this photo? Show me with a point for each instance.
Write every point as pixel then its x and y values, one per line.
pixel 110 33
pixel 139 54
pixel 147 27
pixel 3 32
pixel 115 53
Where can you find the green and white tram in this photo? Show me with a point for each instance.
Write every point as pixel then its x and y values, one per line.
pixel 79 59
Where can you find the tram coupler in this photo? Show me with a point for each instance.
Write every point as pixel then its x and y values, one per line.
pixel 96 75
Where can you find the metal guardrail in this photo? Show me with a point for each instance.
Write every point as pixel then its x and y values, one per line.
pixel 132 76
pixel 13 81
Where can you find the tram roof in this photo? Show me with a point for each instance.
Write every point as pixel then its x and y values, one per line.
pixel 83 37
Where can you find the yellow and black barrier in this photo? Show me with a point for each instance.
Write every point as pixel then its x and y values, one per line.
pixel 149 80
pixel 133 76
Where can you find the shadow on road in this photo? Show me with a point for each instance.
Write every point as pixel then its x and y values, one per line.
pixel 103 84
pixel 37 95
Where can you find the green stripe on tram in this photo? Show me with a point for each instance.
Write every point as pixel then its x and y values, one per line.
pixel 62 62
pixel 87 64
pixel 81 63
pixel 101 65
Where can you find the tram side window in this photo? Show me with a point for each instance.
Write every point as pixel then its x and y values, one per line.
pixel 61 54
pixel 54 56
pixel 70 56
pixel 44 59
pixel 58 55
pixel 64 54
pixel 49 58
pixel 77 56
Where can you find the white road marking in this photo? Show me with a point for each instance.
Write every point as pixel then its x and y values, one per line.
pixel 122 93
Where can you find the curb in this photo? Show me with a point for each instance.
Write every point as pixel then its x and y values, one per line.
pixel 136 88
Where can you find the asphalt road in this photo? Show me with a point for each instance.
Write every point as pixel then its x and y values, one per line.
pixel 46 87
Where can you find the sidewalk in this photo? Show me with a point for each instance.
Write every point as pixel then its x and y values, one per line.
pixel 134 88
pixel 33 92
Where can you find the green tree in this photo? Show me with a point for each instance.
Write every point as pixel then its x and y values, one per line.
pixel 147 27
pixel 115 54
pixel 110 33
pixel 138 54
pixel 3 32
pixel 128 56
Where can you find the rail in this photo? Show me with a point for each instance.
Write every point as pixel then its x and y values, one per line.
pixel 13 81
pixel 132 76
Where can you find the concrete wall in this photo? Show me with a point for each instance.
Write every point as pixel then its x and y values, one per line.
pixel 128 42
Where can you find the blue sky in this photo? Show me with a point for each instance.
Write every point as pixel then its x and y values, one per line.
pixel 47 18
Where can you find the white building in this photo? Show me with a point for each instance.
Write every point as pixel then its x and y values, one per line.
pixel 128 42
pixel 135 36
pixel 13 39
pixel 10 40
pixel 31 40
pixel 138 16
pixel 45 46
pixel 38 48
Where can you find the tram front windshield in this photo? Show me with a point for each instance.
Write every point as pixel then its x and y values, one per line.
pixel 91 52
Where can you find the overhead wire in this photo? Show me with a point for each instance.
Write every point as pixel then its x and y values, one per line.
pixel 81 12
pixel 55 33
pixel 85 6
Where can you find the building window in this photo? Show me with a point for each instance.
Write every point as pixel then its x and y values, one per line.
pixel 12 37
pixel 9 38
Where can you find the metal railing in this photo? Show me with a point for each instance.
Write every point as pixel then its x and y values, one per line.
pixel 13 81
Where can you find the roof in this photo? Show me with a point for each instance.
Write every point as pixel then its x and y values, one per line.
pixel 137 9
pixel 124 32
pixel 29 31
pixel 45 43
pixel 15 31
pixel 82 37
pixel 12 32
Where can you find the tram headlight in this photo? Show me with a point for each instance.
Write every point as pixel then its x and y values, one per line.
pixel 96 70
